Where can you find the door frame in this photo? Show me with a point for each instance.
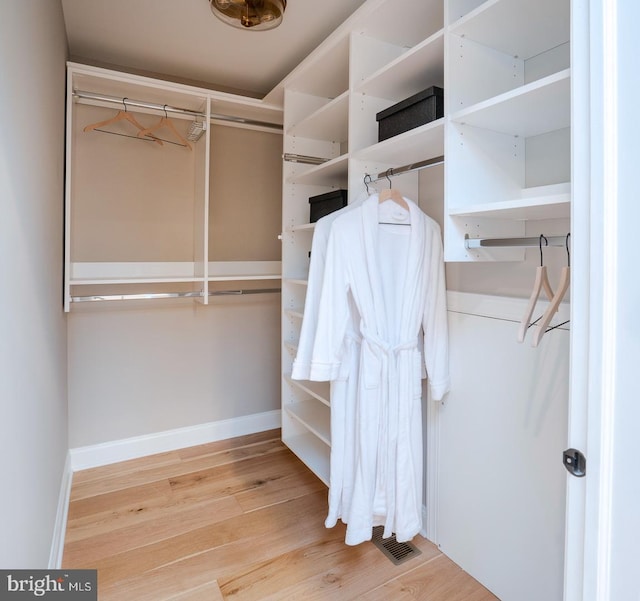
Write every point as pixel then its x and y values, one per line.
pixel 601 520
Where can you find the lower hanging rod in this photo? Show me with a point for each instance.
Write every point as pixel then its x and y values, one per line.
pixel 529 242
pixel 157 295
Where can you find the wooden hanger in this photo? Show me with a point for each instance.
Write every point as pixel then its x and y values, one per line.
pixel 166 122
pixel 121 115
pixel 565 276
pixel 392 194
pixel 541 283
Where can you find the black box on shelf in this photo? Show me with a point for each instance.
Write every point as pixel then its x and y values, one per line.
pixel 323 204
pixel 412 112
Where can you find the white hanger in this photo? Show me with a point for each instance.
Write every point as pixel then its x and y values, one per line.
pixel 541 282
pixel 541 327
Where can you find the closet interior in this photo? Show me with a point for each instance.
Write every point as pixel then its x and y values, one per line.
pixel 495 171
pixel 172 258
pixel 151 211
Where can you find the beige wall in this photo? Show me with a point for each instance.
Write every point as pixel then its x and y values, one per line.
pixel 142 368
pixel 246 195
pixel 33 395
pixel 132 200
pixel 137 371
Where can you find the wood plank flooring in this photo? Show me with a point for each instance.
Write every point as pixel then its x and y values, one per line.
pixel 236 520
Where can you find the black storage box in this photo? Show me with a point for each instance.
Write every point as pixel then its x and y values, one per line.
pixel 414 111
pixel 323 204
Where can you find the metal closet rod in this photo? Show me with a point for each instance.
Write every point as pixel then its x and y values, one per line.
pixel 127 102
pixel 156 295
pixel 528 242
pixel 406 168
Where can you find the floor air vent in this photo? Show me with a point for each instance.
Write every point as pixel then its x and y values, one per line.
pixel 395 551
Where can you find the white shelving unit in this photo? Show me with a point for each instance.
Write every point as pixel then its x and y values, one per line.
pixel 152 203
pixel 504 66
pixel 375 60
pixel 508 124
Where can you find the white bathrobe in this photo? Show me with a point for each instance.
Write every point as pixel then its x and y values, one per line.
pixel 395 277
pixel 344 388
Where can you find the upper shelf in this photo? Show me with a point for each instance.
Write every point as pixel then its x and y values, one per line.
pixel 536 108
pixel 327 76
pixel 543 202
pixel 402 22
pixel 331 173
pixel 421 143
pixel 329 122
pixel 519 28
pixel 413 71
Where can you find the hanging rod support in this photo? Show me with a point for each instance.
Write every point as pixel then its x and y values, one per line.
pixel 530 242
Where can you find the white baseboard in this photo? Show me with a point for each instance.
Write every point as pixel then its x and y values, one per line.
pixel 60 525
pixel 160 442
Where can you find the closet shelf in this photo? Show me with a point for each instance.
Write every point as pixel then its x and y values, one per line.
pixel 226 271
pixel 294 313
pixel 332 173
pixel 320 81
pixel 536 108
pixel 413 71
pixel 314 416
pixel 131 272
pixel 424 142
pixel 297 281
pixel 329 122
pixel 292 347
pixel 423 19
pixel 543 202
pixel 88 273
pixel 303 227
pixel 318 390
pixel 312 452
pixel 519 28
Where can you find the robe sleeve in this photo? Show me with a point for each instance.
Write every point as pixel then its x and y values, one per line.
pixel 302 362
pixel 333 312
pixel 434 322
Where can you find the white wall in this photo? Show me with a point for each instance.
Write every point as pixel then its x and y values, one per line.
pixel 33 395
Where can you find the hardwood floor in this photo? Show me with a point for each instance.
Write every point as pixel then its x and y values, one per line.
pixel 236 520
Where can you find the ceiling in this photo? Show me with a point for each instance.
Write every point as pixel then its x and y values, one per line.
pixel 183 41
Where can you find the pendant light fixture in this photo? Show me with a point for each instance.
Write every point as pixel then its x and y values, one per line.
pixel 254 15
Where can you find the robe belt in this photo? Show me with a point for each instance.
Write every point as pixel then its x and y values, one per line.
pixel 387 452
